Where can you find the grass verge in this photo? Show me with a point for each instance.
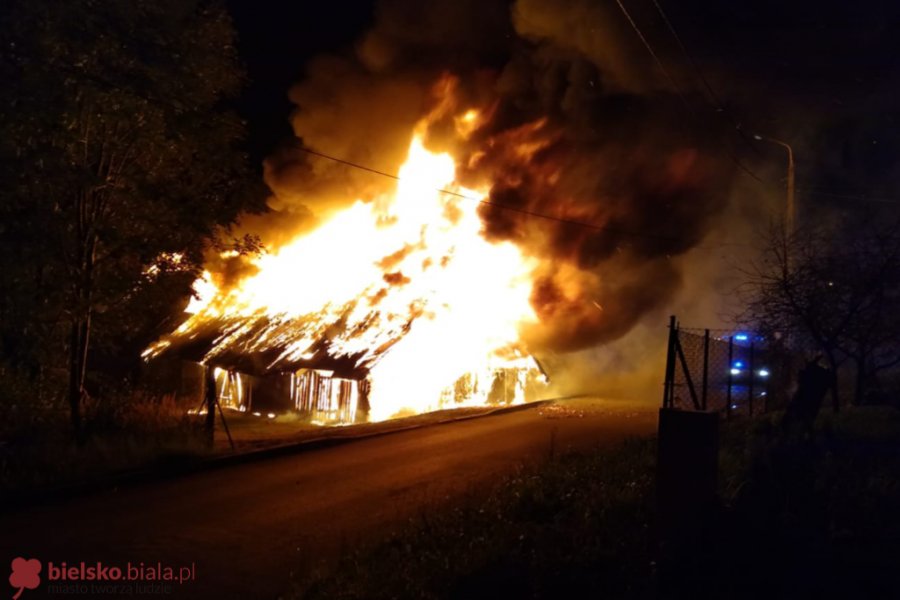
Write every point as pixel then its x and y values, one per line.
pixel 797 518
pixel 140 433
pixel 542 531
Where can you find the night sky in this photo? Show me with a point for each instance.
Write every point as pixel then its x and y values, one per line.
pixel 823 75
pixel 276 39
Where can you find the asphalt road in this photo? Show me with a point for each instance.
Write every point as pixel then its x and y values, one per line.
pixel 248 528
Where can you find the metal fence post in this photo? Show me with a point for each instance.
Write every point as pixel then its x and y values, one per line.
pixel 730 366
pixel 705 368
pixel 211 400
pixel 669 385
pixel 752 377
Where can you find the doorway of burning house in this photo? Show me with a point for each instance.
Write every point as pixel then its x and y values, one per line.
pixel 234 389
pixel 329 399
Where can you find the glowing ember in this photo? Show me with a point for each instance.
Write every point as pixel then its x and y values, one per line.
pixel 404 287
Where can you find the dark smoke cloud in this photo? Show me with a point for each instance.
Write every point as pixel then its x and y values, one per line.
pixel 651 198
pixel 576 124
pixel 362 106
pixel 594 30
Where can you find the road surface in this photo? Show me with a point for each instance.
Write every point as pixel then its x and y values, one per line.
pixel 248 529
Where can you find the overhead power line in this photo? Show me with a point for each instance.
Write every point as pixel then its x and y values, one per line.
pixel 656 58
pixel 719 106
pixel 681 45
pixel 855 197
pixel 522 211
pixel 715 104
pixel 714 99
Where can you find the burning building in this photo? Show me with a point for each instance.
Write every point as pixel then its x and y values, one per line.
pixel 388 307
pixel 457 200
pixel 252 371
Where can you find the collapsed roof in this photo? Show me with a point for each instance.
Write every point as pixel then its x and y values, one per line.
pixel 261 344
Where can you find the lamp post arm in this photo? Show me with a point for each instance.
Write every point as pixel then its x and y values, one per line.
pixel 790 209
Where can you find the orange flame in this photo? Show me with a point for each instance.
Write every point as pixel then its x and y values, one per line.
pixel 421 297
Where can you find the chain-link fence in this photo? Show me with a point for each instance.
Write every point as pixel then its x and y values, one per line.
pixel 735 373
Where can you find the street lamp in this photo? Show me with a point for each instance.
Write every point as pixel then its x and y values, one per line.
pixel 789 209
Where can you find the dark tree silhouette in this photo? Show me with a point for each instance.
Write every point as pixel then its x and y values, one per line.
pixel 831 289
pixel 871 337
pixel 118 167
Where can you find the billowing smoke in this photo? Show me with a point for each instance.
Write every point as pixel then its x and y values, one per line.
pixel 593 166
